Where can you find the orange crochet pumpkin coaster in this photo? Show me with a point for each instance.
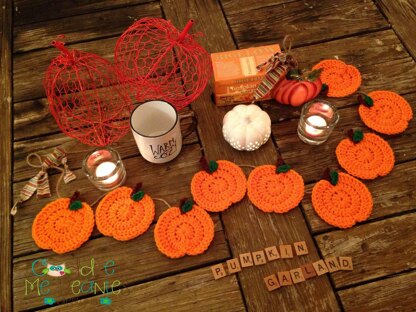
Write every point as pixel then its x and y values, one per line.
pixel 365 156
pixel 341 79
pixel 125 213
pixel 63 228
pixel 342 201
pixel 275 188
pixel 188 230
pixel 385 112
pixel 220 185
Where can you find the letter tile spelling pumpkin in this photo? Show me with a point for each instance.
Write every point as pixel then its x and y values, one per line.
pixel 188 230
pixel 63 225
pixel 125 213
pixel 275 188
pixel 221 184
pixel 341 200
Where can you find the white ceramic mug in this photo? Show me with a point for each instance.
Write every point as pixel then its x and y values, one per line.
pixel 157 132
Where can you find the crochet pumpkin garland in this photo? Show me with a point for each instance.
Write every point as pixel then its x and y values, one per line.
pixel 63 225
pixel 125 213
pixel 385 112
pixel 341 200
pixel 221 184
pixel 340 78
pixel 365 156
pixel 275 188
pixel 184 230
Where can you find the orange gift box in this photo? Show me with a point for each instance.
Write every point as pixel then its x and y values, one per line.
pixel 236 76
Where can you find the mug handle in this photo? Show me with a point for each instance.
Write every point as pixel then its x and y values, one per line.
pixel 192 126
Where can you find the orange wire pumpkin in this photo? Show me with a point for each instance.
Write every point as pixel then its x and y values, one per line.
pixel 125 213
pixel 61 228
pixel 342 201
pixel 188 230
pixel 218 187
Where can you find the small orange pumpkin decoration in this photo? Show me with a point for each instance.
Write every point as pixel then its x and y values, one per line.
pixel 385 112
pixel 365 156
pixel 341 200
pixel 221 184
pixel 125 213
pixel 63 225
pixel 188 230
pixel 275 188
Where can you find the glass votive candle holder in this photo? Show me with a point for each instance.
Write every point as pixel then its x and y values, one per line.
pixel 104 168
pixel 317 120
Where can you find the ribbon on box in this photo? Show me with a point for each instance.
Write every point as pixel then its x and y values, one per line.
pixel 276 68
pixel 40 182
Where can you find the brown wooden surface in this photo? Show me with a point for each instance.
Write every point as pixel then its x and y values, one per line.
pixel 266 229
pixel 401 14
pixel 391 294
pixel 375 36
pixel 6 155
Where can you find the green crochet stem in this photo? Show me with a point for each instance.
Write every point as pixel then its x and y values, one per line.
pixel 137 194
pixel 186 205
pixel 210 167
pixel 356 135
pixel 331 176
pixel 74 202
pixel 366 100
pixel 281 166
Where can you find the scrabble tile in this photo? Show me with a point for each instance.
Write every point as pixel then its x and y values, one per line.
pixel 297 275
pixel 272 253
pixel 271 282
pixel 284 278
pixel 286 251
pixel 320 267
pixel 246 260
pixel 308 270
pixel 218 271
pixel 233 266
pixel 332 264
pixel 345 263
pixel 301 248
pixel 259 257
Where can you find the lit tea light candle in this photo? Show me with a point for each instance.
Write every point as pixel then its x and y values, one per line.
pixel 312 122
pixel 105 169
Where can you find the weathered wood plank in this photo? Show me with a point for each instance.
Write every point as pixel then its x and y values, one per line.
pixel 392 194
pixel 402 15
pixel 390 294
pixel 82 27
pixel 28 86
pixel 136 260
pixel 310 161
pixel 6 122
pixel 29 11
pixel 265 229
pixel 378 249
pixel 76 151
pixel 309 22
pixel 364 51
pixel 196 289
pixel 156 179
pixel 232 6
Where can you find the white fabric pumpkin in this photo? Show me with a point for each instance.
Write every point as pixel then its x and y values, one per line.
pixel 246 127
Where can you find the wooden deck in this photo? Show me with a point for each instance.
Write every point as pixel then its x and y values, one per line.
pixel 376 36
